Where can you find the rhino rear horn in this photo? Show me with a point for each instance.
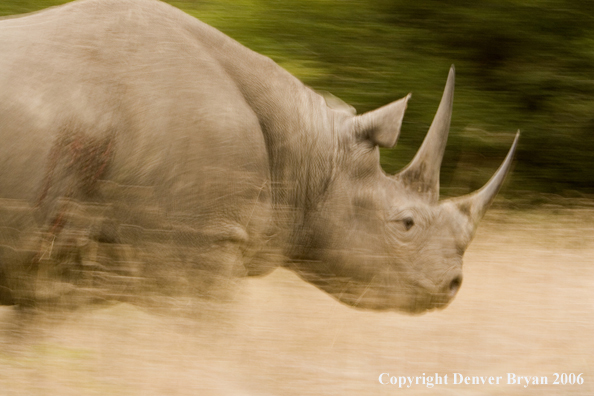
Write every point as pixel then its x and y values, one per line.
pixel 422 174
pixel 382 126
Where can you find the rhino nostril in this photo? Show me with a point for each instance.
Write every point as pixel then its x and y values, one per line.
pixel 455 285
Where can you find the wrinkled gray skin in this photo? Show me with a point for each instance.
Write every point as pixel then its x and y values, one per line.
pixel 258 169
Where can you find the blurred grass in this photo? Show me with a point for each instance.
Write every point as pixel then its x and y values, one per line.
pixel 520 65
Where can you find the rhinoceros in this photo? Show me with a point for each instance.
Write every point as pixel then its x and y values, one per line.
pixel 137 139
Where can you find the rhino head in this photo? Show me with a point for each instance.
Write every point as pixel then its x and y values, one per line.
pixel 386 242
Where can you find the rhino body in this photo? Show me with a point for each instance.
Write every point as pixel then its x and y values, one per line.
pixel 138 140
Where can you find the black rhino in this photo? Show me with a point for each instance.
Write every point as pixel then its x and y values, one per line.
pixel 137 139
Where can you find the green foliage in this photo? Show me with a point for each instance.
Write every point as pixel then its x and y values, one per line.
pixel 13 7
pixel 520 64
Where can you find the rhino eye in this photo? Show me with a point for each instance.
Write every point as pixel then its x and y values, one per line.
pixel 408 223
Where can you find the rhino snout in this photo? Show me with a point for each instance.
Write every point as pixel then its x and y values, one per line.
pixel 446 291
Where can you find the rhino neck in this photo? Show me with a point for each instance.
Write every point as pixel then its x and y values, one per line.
pixel 300 142
pixel 299 136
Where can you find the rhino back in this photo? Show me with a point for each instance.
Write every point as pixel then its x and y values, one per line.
pixel 126 69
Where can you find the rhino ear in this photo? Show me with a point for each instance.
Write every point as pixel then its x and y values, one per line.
pixel 382 126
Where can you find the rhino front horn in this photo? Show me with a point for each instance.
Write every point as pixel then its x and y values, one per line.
pixel 422 174
pixel 476 204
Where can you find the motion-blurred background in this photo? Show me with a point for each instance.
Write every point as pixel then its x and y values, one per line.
pixel 525 65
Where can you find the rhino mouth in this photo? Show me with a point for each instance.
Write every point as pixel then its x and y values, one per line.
pixel 377 299
pixel 414 302
pixel 423 298
pixel 413 297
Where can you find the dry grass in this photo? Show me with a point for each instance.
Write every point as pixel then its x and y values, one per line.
pixel 526 307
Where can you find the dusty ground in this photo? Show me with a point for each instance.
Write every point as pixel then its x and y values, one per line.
pixel 526 307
